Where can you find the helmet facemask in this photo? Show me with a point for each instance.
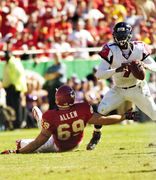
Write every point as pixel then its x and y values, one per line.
pixel 122 34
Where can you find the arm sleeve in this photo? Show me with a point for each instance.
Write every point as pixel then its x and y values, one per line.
pixel 88 110
pixel 46 122
pixel 150 64
pixel 103 71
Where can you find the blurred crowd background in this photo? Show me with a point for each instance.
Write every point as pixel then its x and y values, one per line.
pixel 62 25
pixel 44 24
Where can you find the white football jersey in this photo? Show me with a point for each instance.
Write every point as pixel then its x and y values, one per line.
pixel 114 57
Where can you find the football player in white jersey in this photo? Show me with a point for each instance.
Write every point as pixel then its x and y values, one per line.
pixel 126 86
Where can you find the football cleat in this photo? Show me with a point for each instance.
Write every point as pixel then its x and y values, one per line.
pixel 9 152
pixel 37 114
pixel 94 141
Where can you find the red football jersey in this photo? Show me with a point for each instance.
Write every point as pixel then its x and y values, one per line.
pixel 67 126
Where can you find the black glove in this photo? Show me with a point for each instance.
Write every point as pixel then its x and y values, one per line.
pixel 10 151
pixel 132 115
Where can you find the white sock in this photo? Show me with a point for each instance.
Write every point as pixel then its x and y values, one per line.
pixel 37 114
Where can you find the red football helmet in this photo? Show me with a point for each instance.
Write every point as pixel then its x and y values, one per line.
pixel 65 96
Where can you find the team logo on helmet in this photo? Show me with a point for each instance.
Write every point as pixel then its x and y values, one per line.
pixel 120 29
pixel 72 94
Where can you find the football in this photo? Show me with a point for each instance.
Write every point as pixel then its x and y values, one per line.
pixel 137 70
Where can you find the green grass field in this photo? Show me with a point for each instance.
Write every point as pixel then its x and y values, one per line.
pixel 122 154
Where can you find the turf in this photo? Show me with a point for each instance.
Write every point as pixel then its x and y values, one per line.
pixel 123 154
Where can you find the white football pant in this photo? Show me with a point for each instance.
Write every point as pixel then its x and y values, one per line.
pixel 139 95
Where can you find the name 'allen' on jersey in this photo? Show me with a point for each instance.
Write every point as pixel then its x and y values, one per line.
pixel 69 115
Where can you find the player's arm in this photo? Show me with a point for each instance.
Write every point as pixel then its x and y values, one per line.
pixel 41 139
pixel 149 64
pixel 99 119
pixel 103 71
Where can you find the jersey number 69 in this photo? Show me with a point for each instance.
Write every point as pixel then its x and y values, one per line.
pixel 64 133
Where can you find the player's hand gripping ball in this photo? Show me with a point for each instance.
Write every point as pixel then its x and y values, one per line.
pixel 137 69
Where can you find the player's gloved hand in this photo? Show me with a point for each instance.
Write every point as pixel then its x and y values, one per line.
pixel 132 115
pixel 123 67
pixel 143 64
pixel 9 152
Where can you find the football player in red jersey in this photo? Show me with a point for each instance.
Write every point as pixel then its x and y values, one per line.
pixel 62 128
pixel 126 87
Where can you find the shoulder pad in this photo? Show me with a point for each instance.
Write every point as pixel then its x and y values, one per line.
pixel 106 53
pixel 140 45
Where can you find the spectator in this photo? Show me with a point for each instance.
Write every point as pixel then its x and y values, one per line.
pixel 60 43
pixel 92 76
pixel 104 30
pixel 152 85
pixel 90 27
pixel 43 19
pixel 2 95
pixel 70 82
pixel 63 26
pixel 119 10
pixel 7 114
pixel 31 100
pixel 145 36
pixel 55 76
pixel 84 84
pixel 147 8
pixel 14 82
pixel 92 96
pixel 42 95
pixel 79 94
pixel 80 12
pixel 80 38
pixel 102 87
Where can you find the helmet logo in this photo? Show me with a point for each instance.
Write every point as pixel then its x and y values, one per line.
pixel 121 29
pixel 72 94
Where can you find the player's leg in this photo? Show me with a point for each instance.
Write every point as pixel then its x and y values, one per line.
pixel 96 135
pixel 124 107
pixel 144 101
pixel 49 146
pixel 37 114
pixel 111 101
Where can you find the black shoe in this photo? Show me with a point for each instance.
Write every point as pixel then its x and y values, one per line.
pixel 94 141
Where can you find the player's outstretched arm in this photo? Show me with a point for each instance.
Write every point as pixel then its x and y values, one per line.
pixel 41 139
pixel 99 119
